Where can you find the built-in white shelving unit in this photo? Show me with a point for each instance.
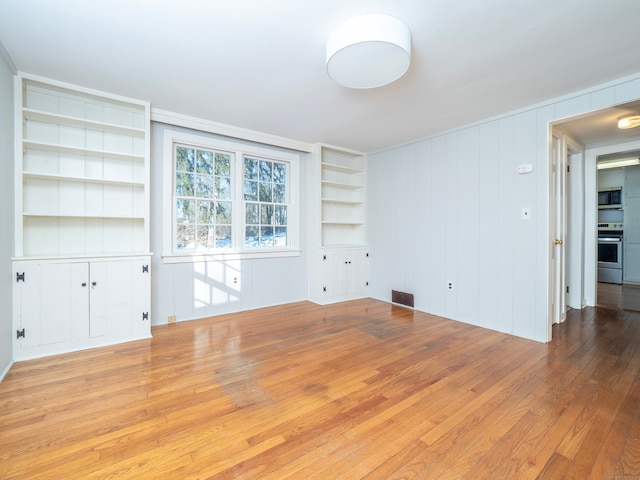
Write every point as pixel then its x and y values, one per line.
pixel 342 197
pixel 340 263
pixel 82 256
pixel 82 171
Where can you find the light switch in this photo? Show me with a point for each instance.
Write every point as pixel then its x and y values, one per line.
pixel 526 213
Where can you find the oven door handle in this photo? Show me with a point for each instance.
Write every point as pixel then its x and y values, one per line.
pixel 609 240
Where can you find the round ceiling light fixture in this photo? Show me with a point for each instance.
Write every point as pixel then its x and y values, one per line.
pixel 368 51
pixel 629 121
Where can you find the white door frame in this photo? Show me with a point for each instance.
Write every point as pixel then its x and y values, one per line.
pixel 575 226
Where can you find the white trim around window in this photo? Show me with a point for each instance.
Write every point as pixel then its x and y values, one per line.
pixel 239 151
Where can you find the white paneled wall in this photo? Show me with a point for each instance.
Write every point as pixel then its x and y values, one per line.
pixel 447 209
pixel 202 289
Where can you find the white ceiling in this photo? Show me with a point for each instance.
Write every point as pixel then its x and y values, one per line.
pixel 260 64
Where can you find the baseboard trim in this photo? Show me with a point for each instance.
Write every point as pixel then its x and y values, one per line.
pixel 6 370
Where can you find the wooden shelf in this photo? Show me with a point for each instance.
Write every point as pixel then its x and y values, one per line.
pixel 341 169
pixel 335 222
pixel 49 147
pixel 79 216
pixel 345 186
pixel 70 178
pixel 342 202
pixel 56 119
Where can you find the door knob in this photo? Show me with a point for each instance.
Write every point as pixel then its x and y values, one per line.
pixel 557 241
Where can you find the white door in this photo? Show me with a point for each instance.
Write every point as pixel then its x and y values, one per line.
pixel 558 228
pixel 574 240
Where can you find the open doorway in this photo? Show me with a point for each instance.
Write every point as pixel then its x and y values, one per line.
pixel 595 135
pixel 618 184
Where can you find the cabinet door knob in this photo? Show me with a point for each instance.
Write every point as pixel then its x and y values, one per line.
pixel 84 284
pixel 93 284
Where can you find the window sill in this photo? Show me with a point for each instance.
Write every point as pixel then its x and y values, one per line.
pixel 213 257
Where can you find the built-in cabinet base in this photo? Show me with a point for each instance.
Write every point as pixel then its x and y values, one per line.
pixel 340 273
pixel 66 305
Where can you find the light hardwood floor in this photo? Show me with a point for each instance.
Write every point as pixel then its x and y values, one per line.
pixel 359 390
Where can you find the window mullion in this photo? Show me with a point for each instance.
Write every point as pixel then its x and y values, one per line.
pixel 238 217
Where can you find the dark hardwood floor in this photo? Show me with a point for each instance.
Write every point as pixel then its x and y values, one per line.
pixel 625 297
pixel 359 390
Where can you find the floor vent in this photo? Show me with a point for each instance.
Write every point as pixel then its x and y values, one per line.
pixel 402 298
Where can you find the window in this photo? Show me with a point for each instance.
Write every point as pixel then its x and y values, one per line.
pixel 227 198
pixel 265 195
pixel 203 199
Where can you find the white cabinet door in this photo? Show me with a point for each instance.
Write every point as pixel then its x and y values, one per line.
pixel 344 273
pixel 119 299
pixel 333 269
pixel 357 271
pixel 110 298
pixel 50 303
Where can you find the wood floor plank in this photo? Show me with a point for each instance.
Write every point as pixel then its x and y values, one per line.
pixel 361 389
pixel 461 446
pixel 555 410
pixel 606 463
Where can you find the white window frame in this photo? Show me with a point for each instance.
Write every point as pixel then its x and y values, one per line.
pixel 239 150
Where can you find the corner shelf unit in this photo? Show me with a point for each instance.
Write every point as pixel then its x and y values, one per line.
pixel 82 171
pixel 342 197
